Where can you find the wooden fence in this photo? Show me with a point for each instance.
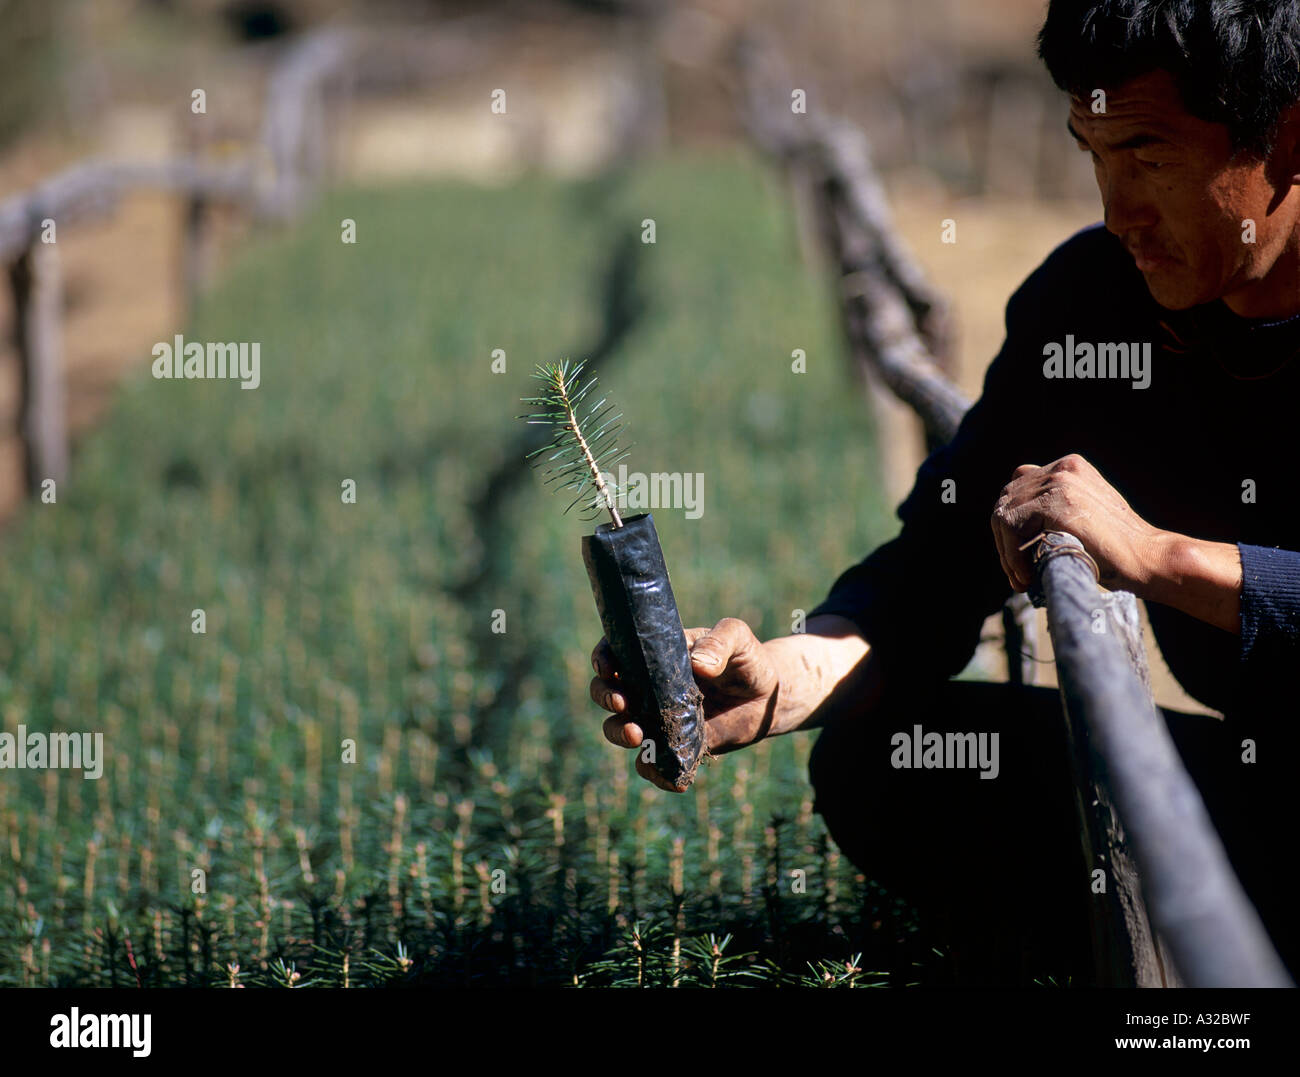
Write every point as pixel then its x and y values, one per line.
pixel 308 90
pixel 896 324
pixel 272 182
pixel 1173 912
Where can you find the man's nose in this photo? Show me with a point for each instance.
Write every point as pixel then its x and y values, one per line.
pixel 1125 207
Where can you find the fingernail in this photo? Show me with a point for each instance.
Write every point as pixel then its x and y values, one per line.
pixel 705 658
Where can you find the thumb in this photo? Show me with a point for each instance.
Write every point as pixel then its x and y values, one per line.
pixel 708 656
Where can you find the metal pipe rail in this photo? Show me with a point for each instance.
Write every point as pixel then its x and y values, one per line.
pixel 1197 906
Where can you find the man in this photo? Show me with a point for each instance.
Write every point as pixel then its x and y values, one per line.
pixel 1145 401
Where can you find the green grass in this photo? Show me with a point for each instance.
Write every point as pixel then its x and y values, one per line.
pixel 480 765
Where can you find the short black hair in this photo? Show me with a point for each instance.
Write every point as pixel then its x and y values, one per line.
pixel 1235 62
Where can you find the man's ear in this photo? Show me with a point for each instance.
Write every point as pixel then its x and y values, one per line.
pixel 1282 165
pixel 1286 146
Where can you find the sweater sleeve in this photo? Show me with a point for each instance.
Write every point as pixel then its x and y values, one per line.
pixel 920 599
pixel 1270 608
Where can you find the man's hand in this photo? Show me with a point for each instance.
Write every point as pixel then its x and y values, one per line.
pixel 733 670
pixel 1071 495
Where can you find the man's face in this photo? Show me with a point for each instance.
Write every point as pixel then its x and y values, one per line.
pixel 1178 200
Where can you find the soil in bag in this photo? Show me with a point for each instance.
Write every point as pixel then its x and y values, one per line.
pixel 639 614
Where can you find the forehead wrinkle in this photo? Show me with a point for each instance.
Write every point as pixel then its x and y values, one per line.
pixel 1133 142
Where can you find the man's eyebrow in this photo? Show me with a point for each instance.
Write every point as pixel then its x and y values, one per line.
pixel 1136 142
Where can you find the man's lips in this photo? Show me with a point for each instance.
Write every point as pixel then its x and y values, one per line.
pixel 1148 260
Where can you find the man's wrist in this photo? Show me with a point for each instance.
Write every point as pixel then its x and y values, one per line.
pixel 1199 577
pixel 1165 563
pixel 796 675
pixel 819 672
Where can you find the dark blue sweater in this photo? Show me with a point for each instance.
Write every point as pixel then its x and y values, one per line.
pixel 1221 408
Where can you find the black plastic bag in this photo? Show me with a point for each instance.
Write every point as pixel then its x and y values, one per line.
pixel 630 583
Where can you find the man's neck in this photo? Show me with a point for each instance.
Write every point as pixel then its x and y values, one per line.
pixel 1275 296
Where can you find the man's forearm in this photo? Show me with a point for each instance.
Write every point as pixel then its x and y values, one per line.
pixel 1199 577
pixel 827 671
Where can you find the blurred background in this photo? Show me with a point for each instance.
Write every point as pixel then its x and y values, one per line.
pixel 487 240
pixel 962 119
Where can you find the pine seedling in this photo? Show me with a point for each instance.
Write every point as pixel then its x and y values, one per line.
pixel 709 964
pixel 628 576
pixel 582 448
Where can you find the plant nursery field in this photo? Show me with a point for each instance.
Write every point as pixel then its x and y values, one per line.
pixel 378 762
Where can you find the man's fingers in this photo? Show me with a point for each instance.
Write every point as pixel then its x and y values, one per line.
pixel 1014 562
pixel 999 527
pixel 1024 561
pixel 627 734
pixel 606 691
pixel 623 732
pixel 606 666
pixel 653 776
pixel 1005 537
pixel 693 638
pixel 713 650
pixel 606 694
pixel 602 660
pixel 1010 519
pixel 620 729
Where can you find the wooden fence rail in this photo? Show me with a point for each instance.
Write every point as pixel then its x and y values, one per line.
pixel 271 182
pixel 1201 931
pixel 897 325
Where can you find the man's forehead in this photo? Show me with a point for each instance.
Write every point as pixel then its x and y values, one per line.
pixel 1149 103
pixel 1155 87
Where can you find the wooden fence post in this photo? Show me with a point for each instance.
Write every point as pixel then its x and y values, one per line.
pixel 898 327
pixel 294 132
pixel 1015 123
pixel 42 411
pixel 1020 635
pixel 196 248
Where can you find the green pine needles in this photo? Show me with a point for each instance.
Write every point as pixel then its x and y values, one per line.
pixel 581 449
